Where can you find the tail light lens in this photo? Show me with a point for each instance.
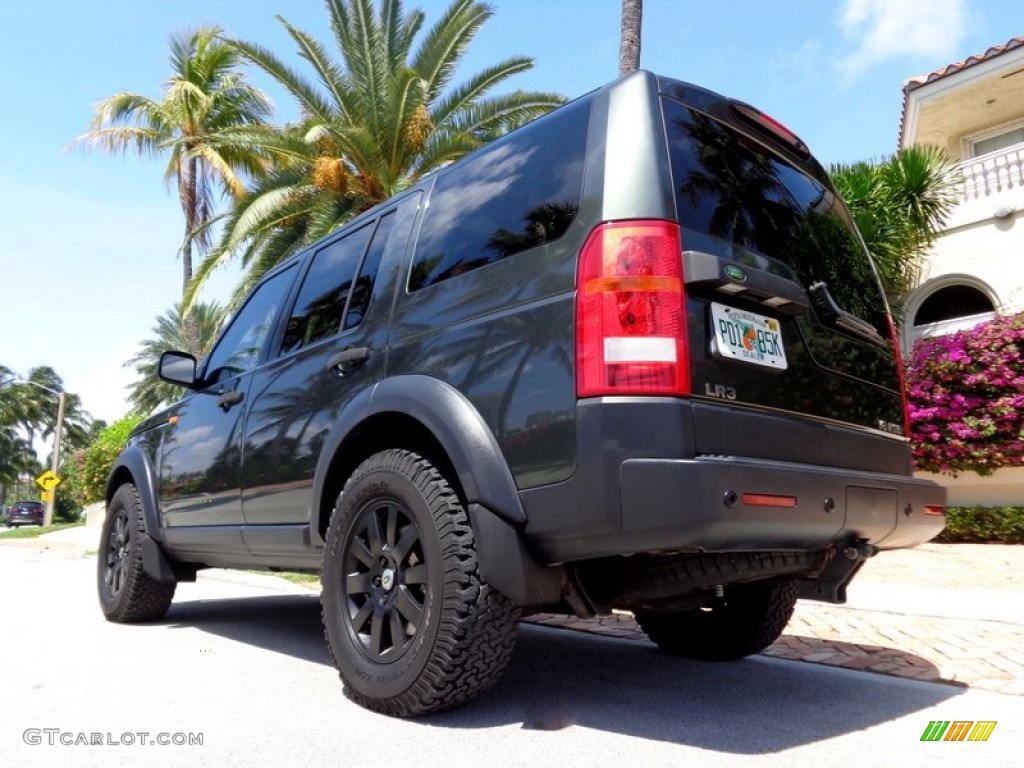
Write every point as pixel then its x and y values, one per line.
pixel 630 312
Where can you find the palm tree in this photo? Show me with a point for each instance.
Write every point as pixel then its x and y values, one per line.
pixel 28 409
pixel 14 449
pixel 204 97
pixel 193 332
pixel 380 111
pixel 900 205
pixel 16 458
pixel 630 36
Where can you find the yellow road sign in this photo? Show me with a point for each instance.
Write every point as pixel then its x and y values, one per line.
pixel 46 496
pixel 48 480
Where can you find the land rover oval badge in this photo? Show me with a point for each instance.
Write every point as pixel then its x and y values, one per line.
pixel 735 273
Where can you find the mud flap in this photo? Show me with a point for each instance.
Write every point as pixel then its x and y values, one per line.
pixel 154 563
pixel 506 565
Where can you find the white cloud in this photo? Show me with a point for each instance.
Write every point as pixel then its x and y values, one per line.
pixel 102 387
pixel 887 29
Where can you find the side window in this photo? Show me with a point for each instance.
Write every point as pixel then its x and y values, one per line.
pixel 360 300
pixel 325 289
pixel 519 192
pixel 240 346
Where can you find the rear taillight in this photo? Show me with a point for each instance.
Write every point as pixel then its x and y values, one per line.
pixel 630 312
pixel 903 379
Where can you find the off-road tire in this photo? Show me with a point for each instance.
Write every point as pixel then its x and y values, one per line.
pixel 747 620
pixel 411 625
pixel 126 592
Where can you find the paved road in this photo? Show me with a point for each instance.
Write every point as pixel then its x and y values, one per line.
pixel 241 660
pixel 939 612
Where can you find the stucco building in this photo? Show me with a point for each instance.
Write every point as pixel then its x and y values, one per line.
pixel 974 109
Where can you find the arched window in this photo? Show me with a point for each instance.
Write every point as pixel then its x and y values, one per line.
pixel 950 303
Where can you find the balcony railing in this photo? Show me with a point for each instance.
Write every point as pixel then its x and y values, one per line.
pixel 993 173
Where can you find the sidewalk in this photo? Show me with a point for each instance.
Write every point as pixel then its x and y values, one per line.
pixel 950 613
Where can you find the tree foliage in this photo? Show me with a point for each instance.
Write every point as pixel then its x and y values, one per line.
pixel 87 472
pixel 900 205
pixel 194 332
pixel 204 97
pixel 28 411
pixel 380 110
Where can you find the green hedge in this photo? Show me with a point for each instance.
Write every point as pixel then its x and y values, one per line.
pixel 1003 525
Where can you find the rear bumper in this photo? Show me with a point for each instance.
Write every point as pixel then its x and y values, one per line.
pixel 829 505
pixel 25 519
pixel 645 481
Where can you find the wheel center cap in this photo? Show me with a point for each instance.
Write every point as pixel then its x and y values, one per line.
pixel 387 579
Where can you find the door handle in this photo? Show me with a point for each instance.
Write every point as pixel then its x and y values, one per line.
pixel 348 360
pixel 229 398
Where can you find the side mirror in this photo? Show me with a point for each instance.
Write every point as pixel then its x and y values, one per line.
pixel 178 368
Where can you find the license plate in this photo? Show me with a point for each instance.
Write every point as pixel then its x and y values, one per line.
pixel 747 337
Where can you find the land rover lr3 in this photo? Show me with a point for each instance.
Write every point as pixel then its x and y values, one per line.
pixel 633 355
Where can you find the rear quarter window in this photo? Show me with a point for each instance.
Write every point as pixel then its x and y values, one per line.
pixel 517 193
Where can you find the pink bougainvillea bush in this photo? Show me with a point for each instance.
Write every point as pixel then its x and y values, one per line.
pixel 967 398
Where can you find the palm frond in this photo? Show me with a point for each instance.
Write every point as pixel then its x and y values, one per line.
pixel 446 42
pixel 300 88
pixel 327 71
pixel 466 94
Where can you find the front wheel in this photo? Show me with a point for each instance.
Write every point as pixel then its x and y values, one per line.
pixel 748 619
pixel 127 593
pixel 410 623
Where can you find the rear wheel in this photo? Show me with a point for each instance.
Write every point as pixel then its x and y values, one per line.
pixel 411 625
pixel 127 593
pixel 748 619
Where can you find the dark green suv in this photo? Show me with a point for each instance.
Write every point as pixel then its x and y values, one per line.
pixel 633 355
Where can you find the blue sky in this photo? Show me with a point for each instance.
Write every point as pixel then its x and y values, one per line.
pixel 88 244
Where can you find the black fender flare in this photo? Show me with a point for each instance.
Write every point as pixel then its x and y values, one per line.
pixel 134 461
pixel 453 421
pixel 492 499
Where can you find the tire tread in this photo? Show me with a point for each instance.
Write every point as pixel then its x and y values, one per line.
pixel 142 597
pixel 477 628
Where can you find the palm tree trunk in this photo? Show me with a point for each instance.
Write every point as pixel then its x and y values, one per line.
pixel 187 184
pixel 629 36
pixel 189 206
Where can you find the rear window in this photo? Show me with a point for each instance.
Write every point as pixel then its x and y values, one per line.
pixel 520 192
pixel 770 215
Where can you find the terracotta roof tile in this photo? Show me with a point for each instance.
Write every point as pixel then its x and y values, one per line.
pixel 914 83
pixel 996 50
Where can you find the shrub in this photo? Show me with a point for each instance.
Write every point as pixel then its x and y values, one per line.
pixel 966 395
pixel 72 487
pixel 98 458
pixel 984 524
pixel 65 508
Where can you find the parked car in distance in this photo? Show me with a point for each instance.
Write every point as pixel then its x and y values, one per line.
pixel 632 356
pixel 25 513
